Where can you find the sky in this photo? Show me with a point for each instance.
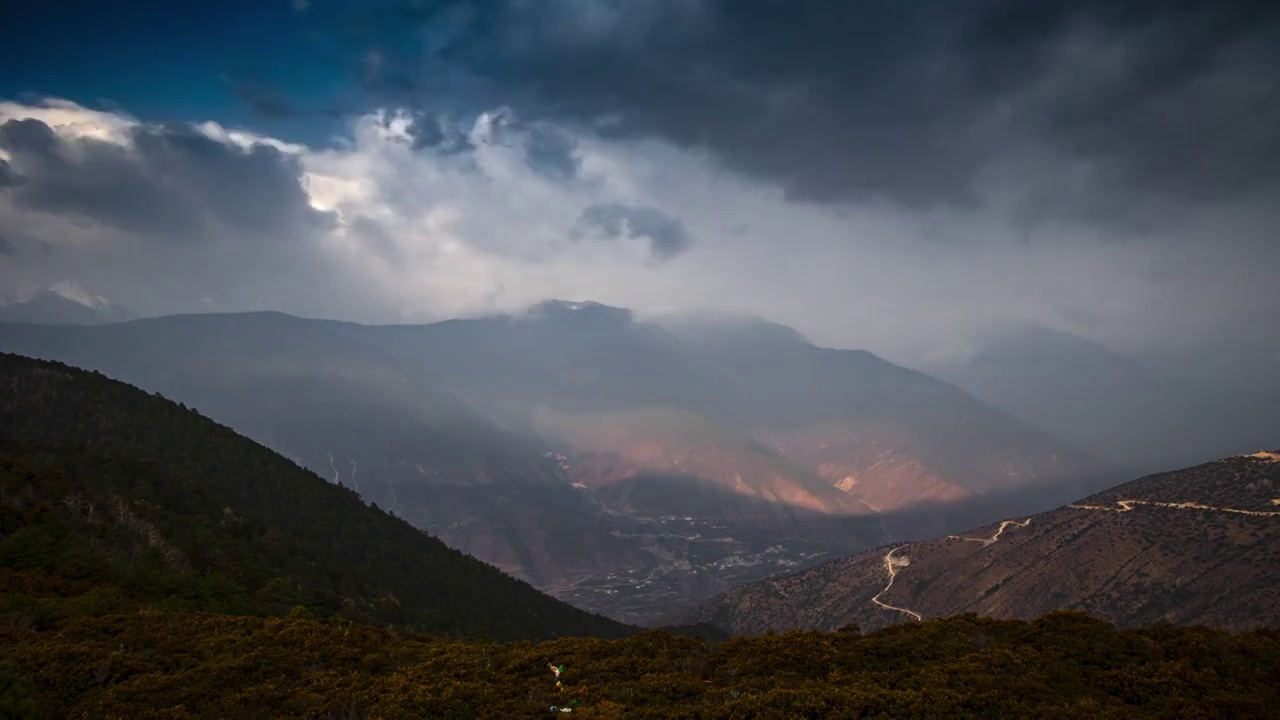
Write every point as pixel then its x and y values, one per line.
pixel 900 177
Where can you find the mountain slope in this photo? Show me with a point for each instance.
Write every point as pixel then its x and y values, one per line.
pixel 679 441
pixel 105 485
pixel 1200 545
pixel 889 436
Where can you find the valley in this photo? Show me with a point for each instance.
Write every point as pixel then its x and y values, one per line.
pixel 614 552
pixel 624 466
pixel 695 557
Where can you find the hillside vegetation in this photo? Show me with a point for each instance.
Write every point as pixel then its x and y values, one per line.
pixel 182 665
pixel 111 498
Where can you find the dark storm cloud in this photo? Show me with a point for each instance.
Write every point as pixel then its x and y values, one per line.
pixel 666 235
pixel 548 150
pixel 170 182
pixel 1170 102
pixel 907 101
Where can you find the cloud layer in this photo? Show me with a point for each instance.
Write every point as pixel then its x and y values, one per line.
pixel 895 176
pixel 386 228
pixel 173 183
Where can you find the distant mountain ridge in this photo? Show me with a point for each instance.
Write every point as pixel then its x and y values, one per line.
pixel 1194 546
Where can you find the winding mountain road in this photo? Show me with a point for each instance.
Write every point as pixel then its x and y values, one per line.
pixel 893 573
pixel 993 538
pixel 1127 505
pixel 892 564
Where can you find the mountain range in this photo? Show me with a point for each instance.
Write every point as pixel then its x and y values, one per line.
pixel 1195 546
pixel 812 418
pixel 624 465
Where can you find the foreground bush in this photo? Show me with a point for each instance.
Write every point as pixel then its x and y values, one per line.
pixel 171 664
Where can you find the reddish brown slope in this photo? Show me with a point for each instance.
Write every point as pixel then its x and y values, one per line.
pixel 1200 545
pixel 671 440
pixel 870 465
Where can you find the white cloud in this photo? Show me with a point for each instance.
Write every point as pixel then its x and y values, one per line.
pixel 72 120
pixel 245 139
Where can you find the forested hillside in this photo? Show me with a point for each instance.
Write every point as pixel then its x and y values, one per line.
pixel 110 498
